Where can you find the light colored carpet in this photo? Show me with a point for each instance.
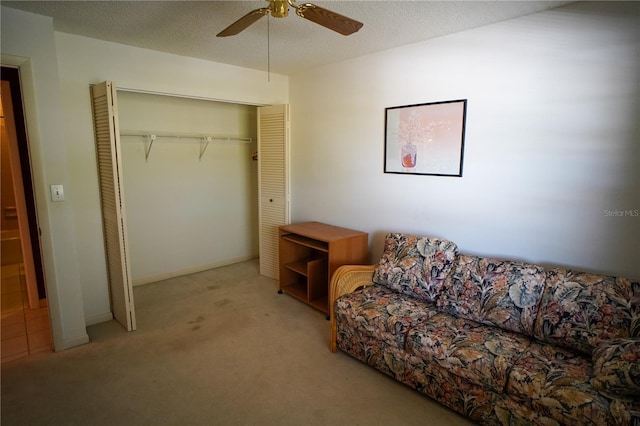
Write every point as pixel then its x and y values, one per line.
pixel 219 347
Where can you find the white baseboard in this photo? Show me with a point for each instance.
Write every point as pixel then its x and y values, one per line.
pixel 187 271
pixel 98 319
pixel 70 343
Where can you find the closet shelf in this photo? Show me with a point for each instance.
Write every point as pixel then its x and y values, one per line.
pixel 203 138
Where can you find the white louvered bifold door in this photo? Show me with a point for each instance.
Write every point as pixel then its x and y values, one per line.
pixel 273 182
pixel 107 133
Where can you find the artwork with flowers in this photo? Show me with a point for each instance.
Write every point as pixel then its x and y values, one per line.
pixel 425 139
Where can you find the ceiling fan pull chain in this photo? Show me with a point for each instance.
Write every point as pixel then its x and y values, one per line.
pixel 268 49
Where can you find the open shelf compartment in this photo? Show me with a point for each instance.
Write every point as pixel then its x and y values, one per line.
pixel 307 242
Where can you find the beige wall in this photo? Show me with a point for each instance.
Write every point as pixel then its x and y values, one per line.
pixel 551 148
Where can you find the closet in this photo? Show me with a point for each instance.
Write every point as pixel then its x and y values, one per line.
pixel 187 172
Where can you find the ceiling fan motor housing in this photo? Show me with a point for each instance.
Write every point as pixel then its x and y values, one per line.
pixel 279 8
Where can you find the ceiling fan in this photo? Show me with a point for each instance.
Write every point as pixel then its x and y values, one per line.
pixel 280 9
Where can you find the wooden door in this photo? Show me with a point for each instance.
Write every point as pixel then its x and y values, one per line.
pixel 273 182
pixel 108 153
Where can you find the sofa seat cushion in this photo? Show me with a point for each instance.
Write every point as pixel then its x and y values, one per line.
pixel 381 313
pixel 502 293
pixel 478 353
pixel 616 367
pixel 511 413
pixel 578 310
pixel 414 265
pixel 473 401
pixel 556 381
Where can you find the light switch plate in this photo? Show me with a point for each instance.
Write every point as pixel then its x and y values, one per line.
pixel 57 193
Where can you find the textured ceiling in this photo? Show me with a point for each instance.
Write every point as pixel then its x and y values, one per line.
pixel 281 45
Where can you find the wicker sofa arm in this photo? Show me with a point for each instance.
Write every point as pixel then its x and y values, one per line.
pixel 346 279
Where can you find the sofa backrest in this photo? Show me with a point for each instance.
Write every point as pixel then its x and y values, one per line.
pixel 580 309
pixel 414 265
pixel 502 293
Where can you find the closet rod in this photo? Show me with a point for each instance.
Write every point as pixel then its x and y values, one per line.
pixel 183 135
pixel 203 138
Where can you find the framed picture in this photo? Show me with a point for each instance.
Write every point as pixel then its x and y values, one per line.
pixel 425 139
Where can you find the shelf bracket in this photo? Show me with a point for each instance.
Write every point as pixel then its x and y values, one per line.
pixel 147 151
pixel 204 143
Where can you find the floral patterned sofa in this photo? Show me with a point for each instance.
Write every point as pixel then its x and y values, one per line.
pixel 499 341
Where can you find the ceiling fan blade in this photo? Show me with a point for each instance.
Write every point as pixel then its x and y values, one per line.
pixel 328 19
pixel 243 22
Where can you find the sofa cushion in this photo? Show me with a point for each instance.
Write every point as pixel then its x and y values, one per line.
pixel 514 413
pixel 478 353
pixel 415 265
pixel 580 309
pixel 616 367
pixel 381 313
pixel 494 292
pixel 473 401
pixel 557 382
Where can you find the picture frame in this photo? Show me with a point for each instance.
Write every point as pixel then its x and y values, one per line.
pixel 425 139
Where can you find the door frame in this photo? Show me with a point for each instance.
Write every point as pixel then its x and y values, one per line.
pixel 12 76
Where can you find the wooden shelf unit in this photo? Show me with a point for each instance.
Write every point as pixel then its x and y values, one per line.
pixel 309 254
